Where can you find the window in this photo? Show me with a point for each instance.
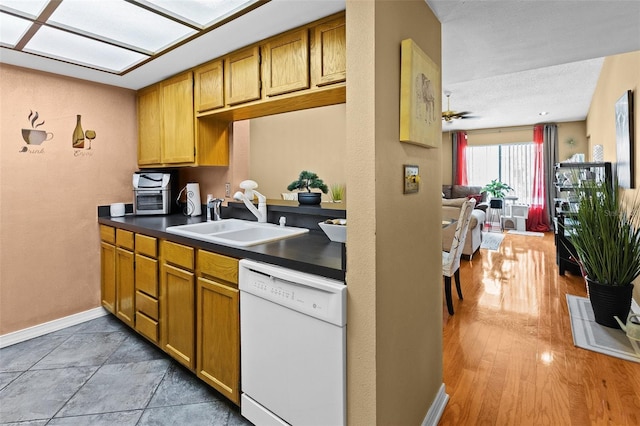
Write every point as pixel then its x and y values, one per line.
pixel 509 163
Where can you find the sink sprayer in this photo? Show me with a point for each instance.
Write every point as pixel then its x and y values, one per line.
pixel 249 187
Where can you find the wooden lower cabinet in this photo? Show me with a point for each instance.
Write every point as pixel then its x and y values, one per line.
pixel 218 337
pixel 177 303
pixel 125 289
pixel 108 276
pixel 108 268
pixel 184 300
pixel 147 284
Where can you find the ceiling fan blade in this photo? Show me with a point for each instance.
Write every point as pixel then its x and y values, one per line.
pixel 450 115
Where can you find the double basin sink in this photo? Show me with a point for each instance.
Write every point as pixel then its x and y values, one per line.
pixel 236 232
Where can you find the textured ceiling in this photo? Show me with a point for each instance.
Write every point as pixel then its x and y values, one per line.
pixel 504 61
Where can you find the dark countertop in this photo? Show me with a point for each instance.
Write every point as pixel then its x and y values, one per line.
pixel 313 253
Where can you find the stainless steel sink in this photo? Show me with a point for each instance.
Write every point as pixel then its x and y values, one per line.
pixel 236 232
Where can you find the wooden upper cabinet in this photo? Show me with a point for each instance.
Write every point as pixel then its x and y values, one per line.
pixel 242 76
pixel 330 53
pixel 209 86
pixel 286 63
pixel 149 128
pixel 177 119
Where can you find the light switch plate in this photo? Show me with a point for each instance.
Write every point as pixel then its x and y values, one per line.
pixel 411 179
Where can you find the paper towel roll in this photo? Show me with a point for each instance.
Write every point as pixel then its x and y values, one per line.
pixel 194 206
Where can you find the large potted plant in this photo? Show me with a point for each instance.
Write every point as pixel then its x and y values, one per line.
pixel 606 238
pixel 307 181
pixel 497 190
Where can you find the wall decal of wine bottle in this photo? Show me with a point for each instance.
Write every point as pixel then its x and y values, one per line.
pixel 79 135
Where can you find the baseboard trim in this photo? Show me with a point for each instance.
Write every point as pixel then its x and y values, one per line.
pixel 48 327
pixel 437 408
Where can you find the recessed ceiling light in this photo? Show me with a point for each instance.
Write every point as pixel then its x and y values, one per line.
pixel 114 37
pixel 543 113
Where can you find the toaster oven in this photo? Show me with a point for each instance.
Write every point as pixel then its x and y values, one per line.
pixel 152 193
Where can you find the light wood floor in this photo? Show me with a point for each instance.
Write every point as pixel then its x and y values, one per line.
pixel 509 357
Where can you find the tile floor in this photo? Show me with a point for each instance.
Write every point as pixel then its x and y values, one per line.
pixel 102 373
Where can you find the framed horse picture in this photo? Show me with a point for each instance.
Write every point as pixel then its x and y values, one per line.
pixel 420 103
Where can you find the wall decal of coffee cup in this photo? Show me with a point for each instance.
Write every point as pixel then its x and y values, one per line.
pixel 36 137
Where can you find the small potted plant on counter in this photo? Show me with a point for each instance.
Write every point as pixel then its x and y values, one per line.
pixel 337 192
pixel 308 180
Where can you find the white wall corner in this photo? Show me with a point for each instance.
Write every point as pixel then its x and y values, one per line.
pixel 51 326
pixel 437 408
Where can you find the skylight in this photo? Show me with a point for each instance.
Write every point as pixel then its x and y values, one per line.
pixel 113 36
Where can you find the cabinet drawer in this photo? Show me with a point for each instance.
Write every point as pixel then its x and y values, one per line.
pixel 147 245
pixel 107 234
pixel 124 239
pixel 147 275
pixel 218 266
pixel 147 327
pixel 147 305
pixel 177 254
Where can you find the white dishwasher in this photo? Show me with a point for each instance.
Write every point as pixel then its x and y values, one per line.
pixel 293 347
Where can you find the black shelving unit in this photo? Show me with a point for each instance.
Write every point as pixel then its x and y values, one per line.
pixel 578 179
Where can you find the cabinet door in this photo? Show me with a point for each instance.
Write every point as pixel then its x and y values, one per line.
pixel 108 276
pixel 125 292
pixel 178 142
pixel 329 62
pixel 242 76
pixel 149 126
pixel 209 86
pixel 286 63
pixel 218 331
pixel 177 318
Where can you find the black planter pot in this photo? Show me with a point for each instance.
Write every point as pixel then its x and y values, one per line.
pixel 495 203
pixel 609 301
pixel 309 198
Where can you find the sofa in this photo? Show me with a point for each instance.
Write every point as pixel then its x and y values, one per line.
pixel 464 191
pixel 458 194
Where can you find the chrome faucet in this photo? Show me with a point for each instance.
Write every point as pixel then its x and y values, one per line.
pixel 213 208
pixel 249 191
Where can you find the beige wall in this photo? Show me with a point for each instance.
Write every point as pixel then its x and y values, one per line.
pixel 619 73
pixel 574 130
pixel 212 179
pixel 273 150
pixel 394 330
pixel 50 263
pixel 283 145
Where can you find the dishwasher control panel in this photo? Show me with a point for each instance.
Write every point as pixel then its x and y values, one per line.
pixel 312 295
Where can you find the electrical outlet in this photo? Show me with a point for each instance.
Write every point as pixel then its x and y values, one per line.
pixel 227 190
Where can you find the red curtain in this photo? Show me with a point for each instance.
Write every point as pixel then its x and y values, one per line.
pixel 538 220
pixel 461 160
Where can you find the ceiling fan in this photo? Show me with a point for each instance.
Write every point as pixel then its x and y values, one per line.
pixel 449 115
